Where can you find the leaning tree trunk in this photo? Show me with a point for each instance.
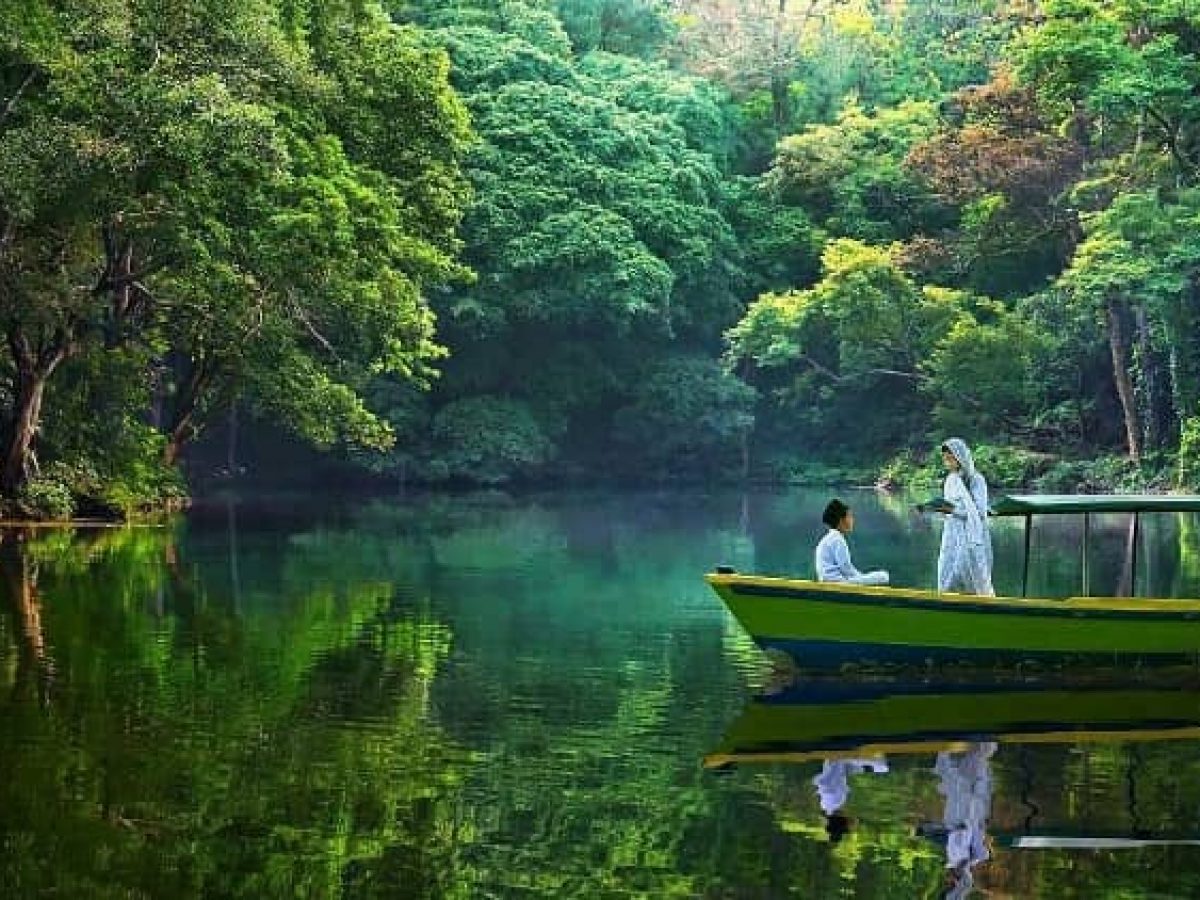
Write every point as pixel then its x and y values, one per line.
pixel 33 371
pixel 184 424
pixel 1118 341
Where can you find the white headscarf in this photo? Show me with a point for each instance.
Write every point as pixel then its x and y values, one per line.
pixel 958 449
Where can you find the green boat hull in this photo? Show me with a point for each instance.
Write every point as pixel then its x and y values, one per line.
pixel 829 721
pixel 822 625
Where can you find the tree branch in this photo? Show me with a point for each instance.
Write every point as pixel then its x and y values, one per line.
pixel 316 335
pixel 841 379
pixel 1172 135
pixel 12 101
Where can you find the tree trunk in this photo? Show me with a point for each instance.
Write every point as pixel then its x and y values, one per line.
pixel 28 409
pixel 779 102
pixel 1152 401
pixel 1184 340
pixel 177 439
pixel 780 71
pixel 1118 342
pixel 183 426
pixel 231 440
pixel 33 370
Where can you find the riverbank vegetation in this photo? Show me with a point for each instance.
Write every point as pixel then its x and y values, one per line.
pixel 580 240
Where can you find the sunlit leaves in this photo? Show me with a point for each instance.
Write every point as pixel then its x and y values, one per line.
pixel 851 175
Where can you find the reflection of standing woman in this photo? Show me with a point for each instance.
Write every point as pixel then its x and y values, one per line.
pixel 966 783
pixel 965 562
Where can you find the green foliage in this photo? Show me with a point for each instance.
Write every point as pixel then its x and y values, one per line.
pixel 1010 468
pixel 851 174
pixel 1007 468
pixel 587 211
pixel 1126 67
pixel 983 374
pixel 1091 476
pixel 938 360
pixel 487 440
pixel 688 417
pixel 780 246
pixel 260 194
pixel 529 23
pixel 913 470
pixel 284 205
pixel 631 27
pixel 598 231
pixel 691 104
pixel 866 329
pixel 1189 455
pixel 486 59
pixel 45 497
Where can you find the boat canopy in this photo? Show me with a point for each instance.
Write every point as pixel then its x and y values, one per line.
pixel 1042 504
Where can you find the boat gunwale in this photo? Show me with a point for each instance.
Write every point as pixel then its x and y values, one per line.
pixel 917 598
pixel 924 745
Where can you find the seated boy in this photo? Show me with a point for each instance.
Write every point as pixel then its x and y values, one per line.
pixel 833 553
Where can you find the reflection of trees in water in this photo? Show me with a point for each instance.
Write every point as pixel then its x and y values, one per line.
pixel 34 667
pixel 310 728
pixel 202 753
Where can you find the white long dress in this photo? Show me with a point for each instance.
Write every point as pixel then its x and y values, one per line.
pixel 965 561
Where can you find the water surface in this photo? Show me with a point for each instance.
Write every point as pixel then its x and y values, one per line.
pixel 497 697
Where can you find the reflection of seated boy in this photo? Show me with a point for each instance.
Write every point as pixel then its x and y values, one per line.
pixel 833 553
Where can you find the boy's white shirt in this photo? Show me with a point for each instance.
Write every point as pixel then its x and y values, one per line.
pixel 834 564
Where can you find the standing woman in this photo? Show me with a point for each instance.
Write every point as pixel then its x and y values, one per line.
pixel 965 562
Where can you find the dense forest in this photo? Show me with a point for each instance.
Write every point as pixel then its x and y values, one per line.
pixel 564 241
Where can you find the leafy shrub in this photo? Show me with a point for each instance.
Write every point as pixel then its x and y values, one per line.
pixel 487 440
pixel 144 487
pixel 911 471
pixel 1005 468
pixel 1010 468
pixel 1189 454
pixel 46 497
pixel 1090 476
pixel 688 417
pixel 102 450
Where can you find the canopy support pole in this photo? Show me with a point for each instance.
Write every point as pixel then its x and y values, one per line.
pixel 1137 522
pixel 1087 534
pixel 1025 569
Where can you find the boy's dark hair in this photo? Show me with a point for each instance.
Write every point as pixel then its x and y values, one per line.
pixel 837 826
pixel 835 511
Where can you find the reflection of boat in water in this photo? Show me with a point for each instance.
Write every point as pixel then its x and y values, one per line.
pixel 951 735
pixel 820 720
pixel 822 624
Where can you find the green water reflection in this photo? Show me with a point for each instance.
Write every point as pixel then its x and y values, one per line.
pixel 486 697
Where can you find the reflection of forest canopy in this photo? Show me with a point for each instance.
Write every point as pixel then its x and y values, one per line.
pixel 661 238
pixel 181 750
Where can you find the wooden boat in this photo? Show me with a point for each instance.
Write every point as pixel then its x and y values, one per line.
pixel 823 720
pixel 822 624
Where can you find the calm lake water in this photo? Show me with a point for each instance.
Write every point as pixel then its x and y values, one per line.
pixel 494 697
